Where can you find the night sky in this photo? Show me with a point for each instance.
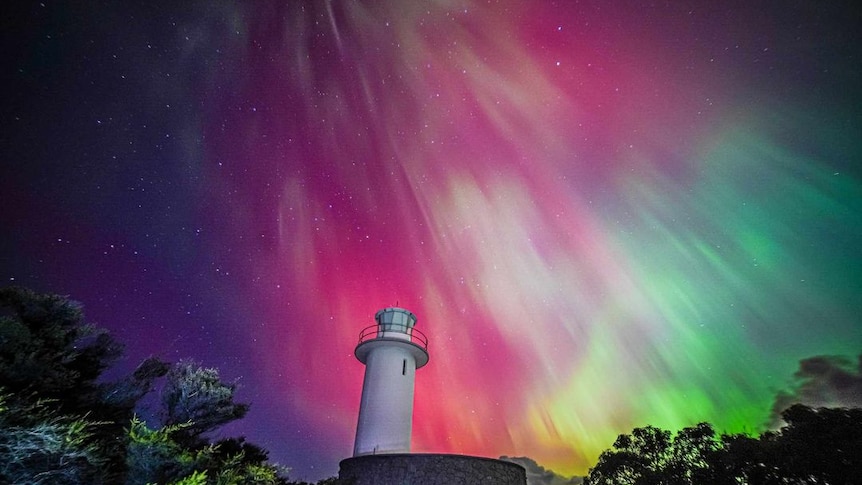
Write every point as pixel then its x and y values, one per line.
pixel 604 214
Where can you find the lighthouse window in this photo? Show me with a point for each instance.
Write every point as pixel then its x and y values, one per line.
pixel 404 367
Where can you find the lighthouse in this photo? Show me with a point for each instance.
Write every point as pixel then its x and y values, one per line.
pixel 391 350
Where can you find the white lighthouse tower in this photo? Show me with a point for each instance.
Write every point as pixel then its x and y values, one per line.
pixel 392 350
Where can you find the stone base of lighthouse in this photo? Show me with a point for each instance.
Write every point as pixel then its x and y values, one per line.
pixel 429 469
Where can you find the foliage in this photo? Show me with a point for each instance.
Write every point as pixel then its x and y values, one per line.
pixel 325 481
pixel 197 395
pixel 126 393
pixel 50 360
pixel 651 456
pixel 44 448
pixel 156 457
pixel 47 349
pixel 153 456
pixel 59 425
pixel 196 478
pixel 817 446
pixel 822 445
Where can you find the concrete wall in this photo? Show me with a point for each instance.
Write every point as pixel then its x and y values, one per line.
pixel 429 469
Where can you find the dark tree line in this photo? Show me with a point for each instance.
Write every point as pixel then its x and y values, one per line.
pixel 816 446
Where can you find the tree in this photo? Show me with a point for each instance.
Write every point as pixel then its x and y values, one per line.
pixel 196 395
pixel 156 456
pixel 325 481
pixel 817 445
pixel 39 447
pixel 822 442
pixel 639 458
pixel 653 456
pixel 59 425
pixel 696 452
pixel 48 350
pixel 751 460
pixel 50 359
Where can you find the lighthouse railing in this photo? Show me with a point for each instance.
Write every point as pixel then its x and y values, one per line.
pixel 400 332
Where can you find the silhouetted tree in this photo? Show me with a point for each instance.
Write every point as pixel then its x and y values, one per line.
pixel 749 460
pixel 816 446
pixel 639 458
pixel 654 456
pixel 48 350
pixel 823 442
pixel 696 452
pixel 50 359
pixel 822 445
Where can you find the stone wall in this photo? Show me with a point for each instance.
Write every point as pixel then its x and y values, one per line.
pixel 429 469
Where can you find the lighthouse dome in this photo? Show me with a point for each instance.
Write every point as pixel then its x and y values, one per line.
pixel 394 318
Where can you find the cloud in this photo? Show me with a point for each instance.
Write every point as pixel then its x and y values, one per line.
pixel 538 475
pixel 822 381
